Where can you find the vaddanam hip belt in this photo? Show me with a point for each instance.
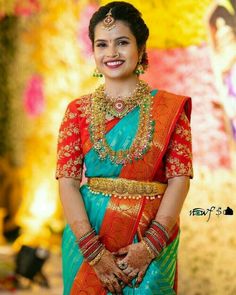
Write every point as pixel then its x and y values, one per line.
pixel 126 188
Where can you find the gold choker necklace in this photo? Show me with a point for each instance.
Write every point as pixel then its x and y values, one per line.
pixel 141 142
pixel 121 106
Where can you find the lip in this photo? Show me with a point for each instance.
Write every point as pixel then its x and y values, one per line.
pixel 113 64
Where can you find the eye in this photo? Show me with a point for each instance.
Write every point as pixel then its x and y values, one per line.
pixel 101 44
pixel 123 42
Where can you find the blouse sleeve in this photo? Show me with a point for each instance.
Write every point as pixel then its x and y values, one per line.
pixel 179 152
pixel 69 149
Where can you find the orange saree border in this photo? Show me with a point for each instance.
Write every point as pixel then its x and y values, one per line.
pixel 126 217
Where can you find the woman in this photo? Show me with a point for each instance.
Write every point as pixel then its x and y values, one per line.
pixel 123 225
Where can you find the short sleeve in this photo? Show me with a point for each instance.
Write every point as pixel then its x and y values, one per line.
pixel 178 159
pixel 69 149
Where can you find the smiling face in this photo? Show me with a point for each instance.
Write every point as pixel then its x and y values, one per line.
pixel 116 53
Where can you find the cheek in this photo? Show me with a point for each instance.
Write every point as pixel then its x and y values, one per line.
pixel 134 59
pixel 134 55
pixel 97 57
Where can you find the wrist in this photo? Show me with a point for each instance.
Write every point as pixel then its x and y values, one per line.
pixel 156 238
pixel 91 247
pixel 151 253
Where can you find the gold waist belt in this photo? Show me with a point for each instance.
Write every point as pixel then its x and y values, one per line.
pixel 126 188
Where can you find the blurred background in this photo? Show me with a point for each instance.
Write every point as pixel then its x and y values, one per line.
pixel 45 62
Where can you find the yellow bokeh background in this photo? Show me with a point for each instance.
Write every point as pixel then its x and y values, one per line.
pixel 48 45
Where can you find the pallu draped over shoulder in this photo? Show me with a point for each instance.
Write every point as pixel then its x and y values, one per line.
pixel 122 221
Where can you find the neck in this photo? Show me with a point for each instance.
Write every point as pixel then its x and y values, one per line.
pixel 123 87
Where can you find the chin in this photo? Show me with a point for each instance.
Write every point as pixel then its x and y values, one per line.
pixel 118 75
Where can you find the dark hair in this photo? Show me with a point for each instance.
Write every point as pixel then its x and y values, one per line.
pixel 129 14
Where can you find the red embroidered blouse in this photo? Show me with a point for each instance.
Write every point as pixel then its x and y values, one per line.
pixel 177 160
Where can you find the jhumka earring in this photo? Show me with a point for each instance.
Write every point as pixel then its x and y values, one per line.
pixel 139 68
pixel 97 74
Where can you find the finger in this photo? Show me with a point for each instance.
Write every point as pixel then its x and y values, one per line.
pixel 123 277
pixel 122 251
pixel 103 282
pixel 128 270
pixel 139 278
pixel 116 286
pixel 110 287
pixel 133 274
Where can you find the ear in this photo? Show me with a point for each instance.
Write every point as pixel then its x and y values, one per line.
pixel 142 49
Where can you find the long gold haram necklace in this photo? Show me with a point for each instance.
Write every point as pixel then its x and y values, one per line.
pixel 97 128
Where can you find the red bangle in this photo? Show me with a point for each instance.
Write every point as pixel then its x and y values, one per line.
pixel 155 242
pixel 90 245
pixel 156 236
pixel 86 240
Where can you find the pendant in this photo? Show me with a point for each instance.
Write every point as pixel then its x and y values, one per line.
pixel 119 105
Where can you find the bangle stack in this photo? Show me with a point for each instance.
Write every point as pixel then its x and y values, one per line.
pixel 91 247
pixel 156 238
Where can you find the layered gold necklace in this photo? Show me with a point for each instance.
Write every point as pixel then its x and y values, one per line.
pixel 97 128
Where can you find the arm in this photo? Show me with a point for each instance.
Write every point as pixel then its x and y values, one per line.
pixel 172 202
pixel 73 206
pixel 69 171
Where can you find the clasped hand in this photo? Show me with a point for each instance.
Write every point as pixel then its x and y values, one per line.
pixel 115 270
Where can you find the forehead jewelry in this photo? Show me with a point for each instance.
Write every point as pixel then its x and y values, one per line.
pixel 109 21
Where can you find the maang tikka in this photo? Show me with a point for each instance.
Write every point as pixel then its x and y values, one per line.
pixel 109 21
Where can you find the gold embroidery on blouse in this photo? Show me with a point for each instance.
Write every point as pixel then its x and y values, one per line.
pixel 69 170
pixel 174 165
pixel 70 150
pixel 68 131
pixel 180 149
pixel 69 115
pixel 184 118
pixel 178 168
pixel 182 131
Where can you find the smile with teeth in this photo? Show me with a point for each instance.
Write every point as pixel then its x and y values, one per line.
pixel 114 63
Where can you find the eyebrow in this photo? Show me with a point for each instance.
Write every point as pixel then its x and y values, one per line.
pixel 122 37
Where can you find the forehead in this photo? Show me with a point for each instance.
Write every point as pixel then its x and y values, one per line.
pixel 120 29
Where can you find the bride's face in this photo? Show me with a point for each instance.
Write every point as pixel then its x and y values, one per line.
pixel 116 53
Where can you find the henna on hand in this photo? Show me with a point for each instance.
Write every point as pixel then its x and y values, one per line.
pixel 109 273
pixel 137 260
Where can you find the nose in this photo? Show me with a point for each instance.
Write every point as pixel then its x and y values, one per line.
pixel 112 51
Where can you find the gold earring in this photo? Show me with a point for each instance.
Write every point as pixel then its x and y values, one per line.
pixel 139 69
pixel 97 74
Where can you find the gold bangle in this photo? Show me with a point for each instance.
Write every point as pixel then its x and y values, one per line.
pixel 150 252
pixel 97 258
